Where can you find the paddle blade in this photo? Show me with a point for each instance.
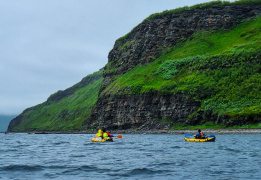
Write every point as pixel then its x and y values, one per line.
pixel 187 135
pixel 119 136
pixel 91 135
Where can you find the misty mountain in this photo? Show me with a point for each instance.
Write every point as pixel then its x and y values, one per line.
pixel 4 122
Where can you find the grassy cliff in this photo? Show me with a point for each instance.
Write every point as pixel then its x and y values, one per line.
pixel 64 110
pixel 197 6
pixel 221 69
pixel 218 68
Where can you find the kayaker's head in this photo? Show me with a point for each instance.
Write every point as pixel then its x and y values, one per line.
pixel 199 131
pixel 99 131
pixel 104 130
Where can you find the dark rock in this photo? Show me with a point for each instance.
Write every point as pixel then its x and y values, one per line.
pixel 141 111
pixel 143 45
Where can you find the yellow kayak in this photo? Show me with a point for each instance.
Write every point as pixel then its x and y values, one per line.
pixel 210 138
pixel 99 139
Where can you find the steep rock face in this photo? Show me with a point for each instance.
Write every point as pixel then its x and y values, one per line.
pixel 142 46
pixel 146 41
pixel 133 111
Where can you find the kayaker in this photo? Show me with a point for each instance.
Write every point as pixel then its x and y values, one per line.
pixel 106 134
pixel 200 134
pixel 99 134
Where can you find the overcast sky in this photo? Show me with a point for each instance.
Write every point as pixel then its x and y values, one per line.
pixel 50 45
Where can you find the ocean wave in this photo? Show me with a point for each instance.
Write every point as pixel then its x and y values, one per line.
pixel 74 170
pixel 39 167
pixel 144 171
pixel 61 142
pixel 21 168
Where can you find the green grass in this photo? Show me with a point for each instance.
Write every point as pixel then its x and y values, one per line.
pixel 219 69
pixel 197 6
pixel 69 113
pixel 248 126
pixel 211 125
pixel 186 8
pixel 207 125
pixel 222 70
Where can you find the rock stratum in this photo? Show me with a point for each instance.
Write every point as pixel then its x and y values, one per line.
pixel 146 42
pixel 143 45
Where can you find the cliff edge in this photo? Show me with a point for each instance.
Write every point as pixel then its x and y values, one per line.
pixel 167 69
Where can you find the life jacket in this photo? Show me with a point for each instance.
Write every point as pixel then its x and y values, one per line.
pixel 99 134
pixel 201 134
pixel 109 134
pixel 105 135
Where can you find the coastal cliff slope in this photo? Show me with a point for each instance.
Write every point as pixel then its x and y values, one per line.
pixel 187 66
pixel 63 111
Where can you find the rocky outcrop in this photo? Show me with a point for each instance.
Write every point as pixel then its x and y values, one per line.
pixel 144 111
pixel 142 46
pixel 150 38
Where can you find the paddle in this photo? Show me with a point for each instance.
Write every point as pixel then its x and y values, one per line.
pixel 211 136
pixel 187 135
pixel 119 136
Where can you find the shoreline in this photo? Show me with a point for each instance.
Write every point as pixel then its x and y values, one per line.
pixel 191 131
pixel 165 131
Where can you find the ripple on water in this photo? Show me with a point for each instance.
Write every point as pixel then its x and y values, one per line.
pixel 144 172
pixel 60 143
pixel 77 155
pixel 175 147
pixel 72 170
pixel 21 168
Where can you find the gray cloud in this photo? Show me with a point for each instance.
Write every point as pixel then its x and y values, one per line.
pixel 48 45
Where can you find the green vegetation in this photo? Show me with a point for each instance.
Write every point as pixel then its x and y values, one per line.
pixel 197 6
pixel 221 69
pixel 108 68
pixel 211 125
pixel 122 48
pixel 68 113
pixel 248 126
pixel 186 8
pixel 203 5
pixel 207 125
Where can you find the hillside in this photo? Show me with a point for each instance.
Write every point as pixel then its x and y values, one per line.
pixel 185 67
pixel 226 81
pixel 195 65
pixel 63 111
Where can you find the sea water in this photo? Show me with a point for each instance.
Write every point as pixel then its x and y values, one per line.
pixel 134 156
